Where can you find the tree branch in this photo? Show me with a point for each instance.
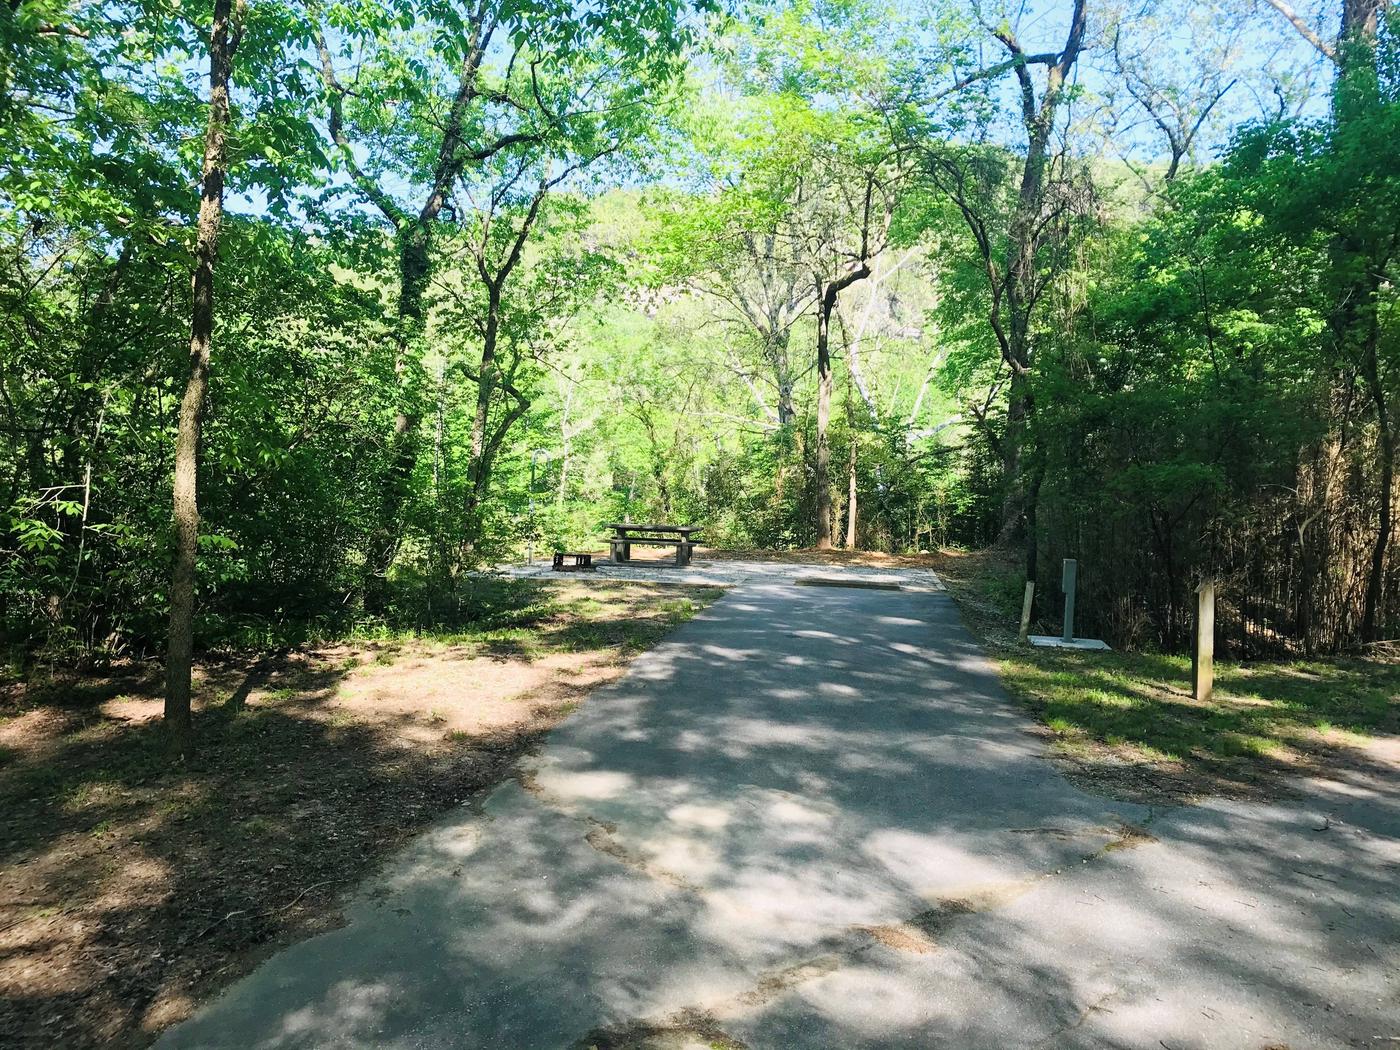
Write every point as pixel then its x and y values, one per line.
pixel 335 121
pixel 1304 30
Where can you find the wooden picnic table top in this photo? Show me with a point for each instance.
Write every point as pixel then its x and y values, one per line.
pixel 624 527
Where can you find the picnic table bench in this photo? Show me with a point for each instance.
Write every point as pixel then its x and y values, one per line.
pixel 571 561
pixel 626 533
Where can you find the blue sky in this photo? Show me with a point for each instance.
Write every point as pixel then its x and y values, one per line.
pixel 1266 51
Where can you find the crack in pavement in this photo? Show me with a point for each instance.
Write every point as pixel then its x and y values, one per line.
pixel 918 934
pixel 602 836
pixel 1096 1007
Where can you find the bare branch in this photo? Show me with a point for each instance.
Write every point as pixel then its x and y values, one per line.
pixel 335 119
pixel 1304 30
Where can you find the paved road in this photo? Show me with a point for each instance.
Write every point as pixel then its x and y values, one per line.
pixel 812 819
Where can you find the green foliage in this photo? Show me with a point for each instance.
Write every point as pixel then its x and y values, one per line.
pixel 620 233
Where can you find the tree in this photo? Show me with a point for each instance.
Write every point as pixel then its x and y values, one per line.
pixel 1015 242
pixel 519 319
pixel 844 233
pixel 1176 89
pixel 224 36
pixel 1362 249
pixel 491 80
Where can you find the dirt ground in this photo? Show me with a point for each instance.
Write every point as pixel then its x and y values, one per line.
pixel 130 891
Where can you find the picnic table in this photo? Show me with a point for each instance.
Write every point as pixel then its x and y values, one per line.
pixel 626 533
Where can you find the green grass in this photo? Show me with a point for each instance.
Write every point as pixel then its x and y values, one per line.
pixel 531 619
pixel 1143 701
pixel 1135 708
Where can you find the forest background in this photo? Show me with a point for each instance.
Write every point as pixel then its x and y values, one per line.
pixel 1109 280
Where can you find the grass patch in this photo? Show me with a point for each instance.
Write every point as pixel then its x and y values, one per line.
pixel 533 618
pixel 1127 720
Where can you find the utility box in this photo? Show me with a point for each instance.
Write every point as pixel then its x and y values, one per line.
pixel 1069 583
pixel 1069 580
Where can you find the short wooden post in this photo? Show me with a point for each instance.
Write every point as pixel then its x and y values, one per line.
pixel 1069 579
pixel 1026 604
pixel 1203 653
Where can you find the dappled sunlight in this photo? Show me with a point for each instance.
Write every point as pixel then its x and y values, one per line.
pixel 946 864
pixel 867 998
pixel 866 852
pixel 349 1006
pixel 709 817
pixel 576 786
pixel 1264 723
pixel 132 890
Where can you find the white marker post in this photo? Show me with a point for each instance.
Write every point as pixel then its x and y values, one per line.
pixel 1203 654
pixel 1026 604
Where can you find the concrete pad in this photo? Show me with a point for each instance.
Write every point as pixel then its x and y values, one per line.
pixel 878 583
pixel 1051 641
pixel 812 819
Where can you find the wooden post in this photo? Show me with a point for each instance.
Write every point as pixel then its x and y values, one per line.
pixel 1026 604
pixel 1203 654
pixel 1069 579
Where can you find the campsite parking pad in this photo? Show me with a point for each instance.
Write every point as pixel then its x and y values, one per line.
pixel 812 818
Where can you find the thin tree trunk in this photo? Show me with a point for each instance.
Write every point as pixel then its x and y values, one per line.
pixel 481 415
pixel 782 377
pixel 827 296
pixel 484 464
pixel 823 457
pixel 1012 319
pixel 486 376
pixel 565 443
pixel 414 267
pixel 851 509
pixel 223 42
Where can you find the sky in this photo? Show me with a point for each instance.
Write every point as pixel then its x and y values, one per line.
pixel 1177 46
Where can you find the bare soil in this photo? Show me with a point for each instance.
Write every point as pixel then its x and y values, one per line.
pixel 130 891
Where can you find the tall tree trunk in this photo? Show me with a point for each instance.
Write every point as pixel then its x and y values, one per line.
pixel 1356 97
pixel 827 295
pixel 1018 411
pixel 851 510
pixel 823 456
pixel 1358 256
pixel 223 42
pixel 1025 235
pixel 414 232
pixel 1032 537
pixel 481 415
pixel 1375 577
pixel 415 243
